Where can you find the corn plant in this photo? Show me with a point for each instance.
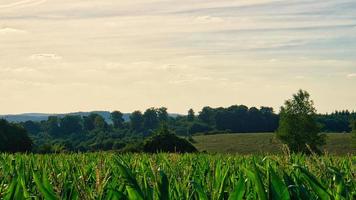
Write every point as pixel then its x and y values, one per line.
pixel 172 176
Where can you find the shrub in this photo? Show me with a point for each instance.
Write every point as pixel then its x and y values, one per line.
pixel 166 141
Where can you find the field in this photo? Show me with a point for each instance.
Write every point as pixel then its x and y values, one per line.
pixel 173 176
pixel 252 143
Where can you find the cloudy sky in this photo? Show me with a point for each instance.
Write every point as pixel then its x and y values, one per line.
pixel 79 55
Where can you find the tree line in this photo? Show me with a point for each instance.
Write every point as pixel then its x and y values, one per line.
pixel 93 132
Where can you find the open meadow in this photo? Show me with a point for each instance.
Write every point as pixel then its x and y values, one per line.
pixel 266 143
pixel 174 176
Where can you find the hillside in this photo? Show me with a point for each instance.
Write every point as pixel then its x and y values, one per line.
pixel 337 143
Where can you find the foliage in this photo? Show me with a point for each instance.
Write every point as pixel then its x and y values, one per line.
pixel 92 132
pixel 70 124
pixel 191 115
pixel 297 126
pixel 166 141
pixel 13 138
pixel 337 121
pixel 172 176
pixel 150 119
pixel 117 119
pixel 198 127
pixel 136 121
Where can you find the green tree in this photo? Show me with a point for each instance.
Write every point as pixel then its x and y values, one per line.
pixel 297 125
pixel 71 124
pixel 88 121
pixel 117 119
pixel 191 115
pixel 52 126
pixel 13 138
pixel 100 123
pixel 136 121
pixel 162 114
pixel 207 115
pixel 150 118
pixel 32 127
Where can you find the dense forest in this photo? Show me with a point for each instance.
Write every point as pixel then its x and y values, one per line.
pixel 93 132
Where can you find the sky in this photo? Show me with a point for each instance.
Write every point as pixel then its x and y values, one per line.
pixel 60 56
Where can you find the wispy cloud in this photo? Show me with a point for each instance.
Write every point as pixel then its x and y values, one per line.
pixel 45 56
pixel 22 4
pixel 184 53
pixel 208 19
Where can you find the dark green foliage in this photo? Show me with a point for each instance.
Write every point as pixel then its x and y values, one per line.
pixel 52 126
pixel 96 132
pixel 337 121
pixel 150 118
pixel 100 123
pixel 191 115
pixel 207 115
pixel 32 127
pixel 162 114
pixel 88 121
pixel 166 141
pixel 198 127
pixel 13 138
pixel 136 119
pixel 117 119
pixel 242 119
pixel 70 124
pixel 298 127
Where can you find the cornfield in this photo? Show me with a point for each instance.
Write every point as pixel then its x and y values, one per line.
pixel 173 176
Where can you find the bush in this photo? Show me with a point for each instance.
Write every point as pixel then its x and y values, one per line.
pixel 165 141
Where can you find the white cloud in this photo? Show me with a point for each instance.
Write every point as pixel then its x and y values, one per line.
pixel 45 56
pixel 9 31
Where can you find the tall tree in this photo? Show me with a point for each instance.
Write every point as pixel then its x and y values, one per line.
pixel 207 115
pixel 150 118
pixel 162 114
pixel 117 119
pixel 191 115
pixel 297 126
pixel 136 121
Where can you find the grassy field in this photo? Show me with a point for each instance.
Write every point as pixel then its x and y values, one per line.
pixel 252 143
pixel 109 176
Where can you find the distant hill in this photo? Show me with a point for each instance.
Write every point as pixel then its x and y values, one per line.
pixel 44 116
